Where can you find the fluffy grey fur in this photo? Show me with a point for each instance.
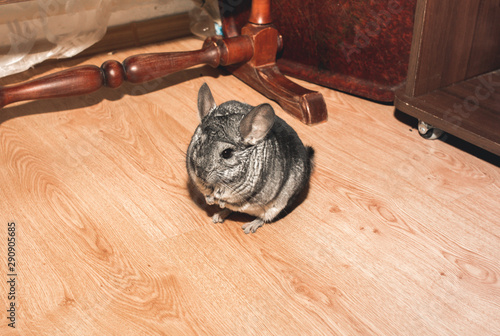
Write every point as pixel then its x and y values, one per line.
pixel 246 159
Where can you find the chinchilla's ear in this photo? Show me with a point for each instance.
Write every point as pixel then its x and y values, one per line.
pixel 206 102
pixel 256 124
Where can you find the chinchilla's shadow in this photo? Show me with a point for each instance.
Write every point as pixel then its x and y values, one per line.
pixel 298 200
pixel 52 105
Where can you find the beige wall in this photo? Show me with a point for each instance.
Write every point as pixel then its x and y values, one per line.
pixel 134 10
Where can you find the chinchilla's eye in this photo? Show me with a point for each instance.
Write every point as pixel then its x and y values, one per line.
pixel 227 153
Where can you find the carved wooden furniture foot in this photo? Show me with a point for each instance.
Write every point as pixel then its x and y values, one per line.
pixel 262 73
pixel 250 56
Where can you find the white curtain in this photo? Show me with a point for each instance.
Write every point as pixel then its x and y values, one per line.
pixel 33 31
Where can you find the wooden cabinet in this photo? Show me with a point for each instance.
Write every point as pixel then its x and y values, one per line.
pixel 453 79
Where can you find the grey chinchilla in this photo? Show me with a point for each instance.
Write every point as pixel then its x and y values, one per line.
pixel 246 159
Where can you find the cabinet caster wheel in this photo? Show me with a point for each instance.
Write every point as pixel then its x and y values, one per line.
pixel 428 132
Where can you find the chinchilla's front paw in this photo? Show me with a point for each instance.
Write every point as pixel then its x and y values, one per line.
pixel 218 194
pixel 220 216
pixel 210 199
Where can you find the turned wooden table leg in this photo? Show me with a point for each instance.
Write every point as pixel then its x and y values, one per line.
pixel 260 13
pixel 89 78
pixel 135 69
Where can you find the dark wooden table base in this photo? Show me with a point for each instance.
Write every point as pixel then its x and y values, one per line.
pixel 251 55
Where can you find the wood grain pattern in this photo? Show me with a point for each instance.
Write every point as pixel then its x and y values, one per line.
pixel 398 235
pixel 485 51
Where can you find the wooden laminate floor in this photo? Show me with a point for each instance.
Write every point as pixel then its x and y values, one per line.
pixel 397 236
